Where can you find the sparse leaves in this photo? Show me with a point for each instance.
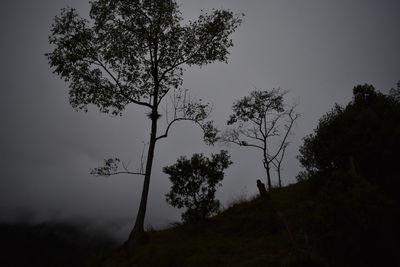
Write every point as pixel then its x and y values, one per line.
pixel 186 108
pixel 261 120
pixel 110 167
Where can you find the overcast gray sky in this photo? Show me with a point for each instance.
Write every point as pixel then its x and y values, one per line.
pixel 317 49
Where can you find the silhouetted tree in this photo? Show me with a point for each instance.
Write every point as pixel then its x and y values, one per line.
pixel 134 51
pixel 262 121
pixel 363 138
pixel 395 92
pixel 194 183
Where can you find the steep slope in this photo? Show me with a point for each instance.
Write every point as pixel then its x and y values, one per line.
pixel 336 220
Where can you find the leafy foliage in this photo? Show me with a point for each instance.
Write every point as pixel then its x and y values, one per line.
pixel 365 134
pixel 255 106
pixel 194 183
pixel 110 166
pixel 131 47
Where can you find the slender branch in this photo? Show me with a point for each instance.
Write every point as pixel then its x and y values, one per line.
pixel 288 130
pixel 163 95
pixel 232 137
pixel 248 135
pixel 272 131
pixel 125 172
pixel 111 167
pixel 278 161
pixel 246 144
pixel 165 135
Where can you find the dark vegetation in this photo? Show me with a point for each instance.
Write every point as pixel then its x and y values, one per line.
pixel 336 220
pixel 363 137
pixel 344 210
pixel 51 244
pixel 194 184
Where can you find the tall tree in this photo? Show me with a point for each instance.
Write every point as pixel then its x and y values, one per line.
pixel 135 52
pixel 261 120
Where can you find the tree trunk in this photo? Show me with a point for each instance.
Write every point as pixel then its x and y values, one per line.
pixel 279 176
pixel 267 168
pixel 138 229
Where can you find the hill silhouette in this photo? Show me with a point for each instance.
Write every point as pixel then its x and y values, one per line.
pixel 336 220
pixel 344 210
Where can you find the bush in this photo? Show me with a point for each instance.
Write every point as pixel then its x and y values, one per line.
pixel 363 137
pixel 194 183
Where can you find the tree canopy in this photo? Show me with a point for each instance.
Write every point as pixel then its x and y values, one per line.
pixel 194 183
pixel 131 47
pixel 363 137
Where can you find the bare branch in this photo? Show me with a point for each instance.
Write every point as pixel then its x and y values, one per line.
pixel 111 167
pixel 165 135
pixel 122 172
pixel 232 136
pixel 293 116
pixel 186 108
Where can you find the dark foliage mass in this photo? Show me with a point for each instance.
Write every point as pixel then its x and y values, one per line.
pixel 351 222
pixel 194 184
pixel 351 164
pixel 363 137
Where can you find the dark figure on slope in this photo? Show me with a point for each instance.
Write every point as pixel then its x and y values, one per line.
pixel 261 188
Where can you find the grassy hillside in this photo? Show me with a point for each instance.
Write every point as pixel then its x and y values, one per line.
pixel 336 220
